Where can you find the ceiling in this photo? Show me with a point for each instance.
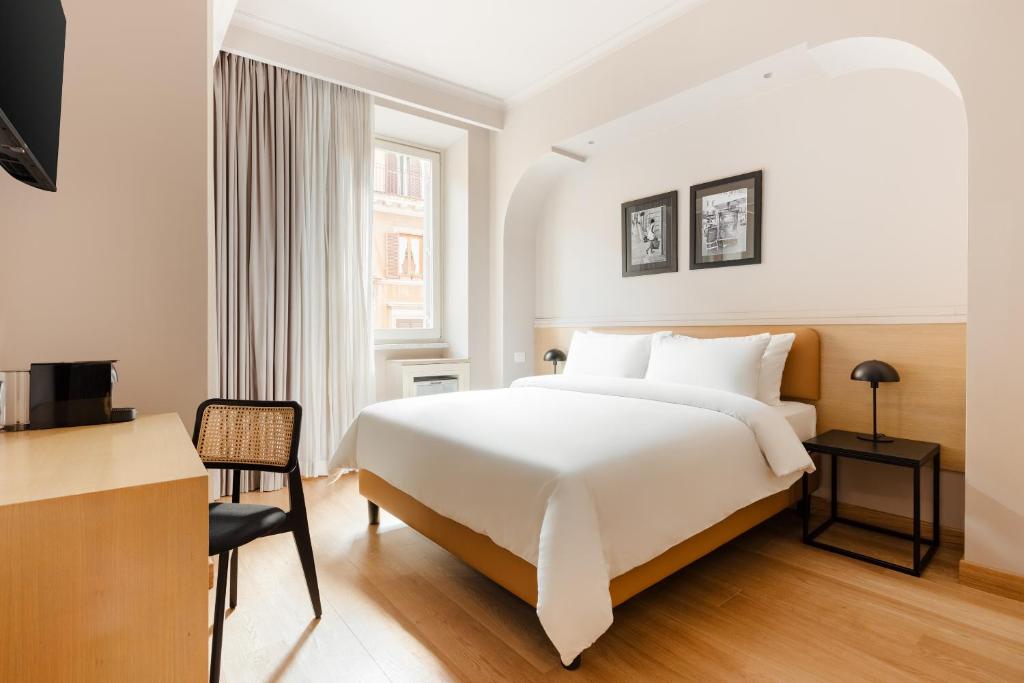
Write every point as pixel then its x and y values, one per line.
pixel 758 78
pixel 405 127
pixel 798 64
pixel 499 49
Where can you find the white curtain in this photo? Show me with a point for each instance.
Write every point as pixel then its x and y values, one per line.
pixel 337 339
pixel 293 165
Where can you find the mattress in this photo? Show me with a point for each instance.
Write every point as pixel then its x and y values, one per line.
pixel 802 417
pixel 585 478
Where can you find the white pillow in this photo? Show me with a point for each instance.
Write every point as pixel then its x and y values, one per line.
pixel 726 363
pixel 769 385
pixel 609 355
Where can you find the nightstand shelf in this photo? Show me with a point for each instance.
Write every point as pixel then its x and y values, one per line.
pixel 915 455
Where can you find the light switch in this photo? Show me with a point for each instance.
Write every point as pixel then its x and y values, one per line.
pixel 519 356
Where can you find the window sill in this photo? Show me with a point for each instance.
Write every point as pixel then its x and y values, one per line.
pixel 408 345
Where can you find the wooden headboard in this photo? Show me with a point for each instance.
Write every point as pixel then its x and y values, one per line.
pixel 929 403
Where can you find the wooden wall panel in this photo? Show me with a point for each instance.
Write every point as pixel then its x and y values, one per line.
pixel 929 403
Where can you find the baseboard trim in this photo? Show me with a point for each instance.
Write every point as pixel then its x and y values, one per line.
pixel 991 580
pixel 951 537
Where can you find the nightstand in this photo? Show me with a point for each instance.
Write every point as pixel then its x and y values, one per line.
pixel 839 444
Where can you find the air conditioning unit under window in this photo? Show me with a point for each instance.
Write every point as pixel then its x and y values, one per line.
pixel 425 376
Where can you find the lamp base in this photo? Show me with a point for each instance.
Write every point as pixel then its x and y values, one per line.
pixel 876 438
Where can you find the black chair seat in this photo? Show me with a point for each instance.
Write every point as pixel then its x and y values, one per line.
pixel 235 524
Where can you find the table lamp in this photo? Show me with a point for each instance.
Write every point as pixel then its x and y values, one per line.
pixel 554 356
pixel 875 371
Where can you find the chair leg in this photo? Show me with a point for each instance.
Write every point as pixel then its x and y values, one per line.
pixel 373 510
pixel 233 599
pixel 300 531
pixel 305 548
pixel 218 617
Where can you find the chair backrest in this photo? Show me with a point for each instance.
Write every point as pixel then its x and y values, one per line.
pixel 248 435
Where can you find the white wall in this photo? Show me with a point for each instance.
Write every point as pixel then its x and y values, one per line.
pixel 481 275
pixel 519 268
pixel 976 42
pixel 114 265
pixel 865 216
pixel 223 10
pixel 522 232
pixel 455 245
pixel 865 209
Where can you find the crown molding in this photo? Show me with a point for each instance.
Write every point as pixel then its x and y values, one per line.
pixel 885 316
pixel 633 33
pixel 287 34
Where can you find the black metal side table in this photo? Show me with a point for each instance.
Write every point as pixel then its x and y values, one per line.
pixel 901 453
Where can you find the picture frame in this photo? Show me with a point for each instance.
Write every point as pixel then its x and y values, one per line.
pixel 725 222
pixel 650 235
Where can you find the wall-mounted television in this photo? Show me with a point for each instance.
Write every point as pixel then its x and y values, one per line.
pixel 31 83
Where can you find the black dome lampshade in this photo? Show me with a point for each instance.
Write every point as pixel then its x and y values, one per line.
pixel 875 371
pixel 554 356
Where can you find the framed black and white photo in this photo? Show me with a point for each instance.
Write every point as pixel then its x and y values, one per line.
pixel 649 235
pixel 725 222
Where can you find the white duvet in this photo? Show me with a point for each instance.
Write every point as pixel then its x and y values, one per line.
pixel 583 477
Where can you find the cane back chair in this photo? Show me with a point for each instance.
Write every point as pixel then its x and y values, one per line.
pixel 251 436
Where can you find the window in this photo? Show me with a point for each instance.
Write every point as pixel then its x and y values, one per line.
pixel 406 210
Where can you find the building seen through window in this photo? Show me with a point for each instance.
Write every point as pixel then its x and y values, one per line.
pixel 403 231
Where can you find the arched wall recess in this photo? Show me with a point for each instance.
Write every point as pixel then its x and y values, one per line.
pixel 795 66
pixel 783 69
pixel 850 55
pixel 517 260
pixel 977 43
pixel 855 141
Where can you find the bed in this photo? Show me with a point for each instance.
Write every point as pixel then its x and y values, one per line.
pixel 576 493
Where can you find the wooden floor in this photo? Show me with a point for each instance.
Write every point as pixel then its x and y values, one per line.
pixel 765 607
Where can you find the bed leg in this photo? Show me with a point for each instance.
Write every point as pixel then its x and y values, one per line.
pixel 575 663
pixel 373 510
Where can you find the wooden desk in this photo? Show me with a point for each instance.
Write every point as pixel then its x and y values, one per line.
pixel 103 542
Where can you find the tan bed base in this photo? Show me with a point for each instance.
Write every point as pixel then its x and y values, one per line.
pixel 520 577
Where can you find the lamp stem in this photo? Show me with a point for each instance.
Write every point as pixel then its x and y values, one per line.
pixel 874 411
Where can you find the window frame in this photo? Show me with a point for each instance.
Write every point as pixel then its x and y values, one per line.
pixel 432 246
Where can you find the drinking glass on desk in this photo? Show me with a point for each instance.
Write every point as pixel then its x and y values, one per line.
pixel 14 411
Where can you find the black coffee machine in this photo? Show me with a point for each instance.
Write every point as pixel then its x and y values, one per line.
pixel 73 394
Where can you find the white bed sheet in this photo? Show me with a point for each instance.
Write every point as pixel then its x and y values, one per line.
pixel 802 417
pixel 584 477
